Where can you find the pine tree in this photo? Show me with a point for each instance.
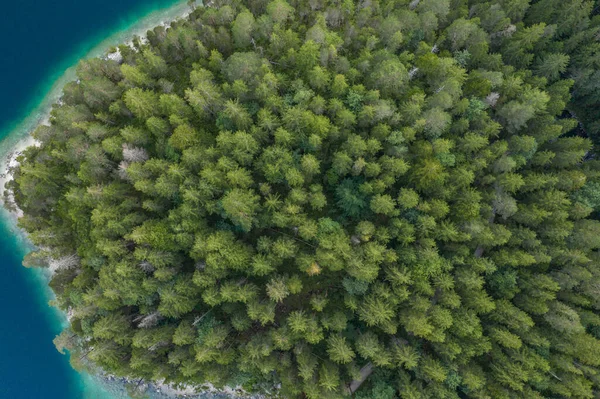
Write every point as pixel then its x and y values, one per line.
pixel 381 200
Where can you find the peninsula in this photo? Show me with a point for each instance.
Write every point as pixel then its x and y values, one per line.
pixel 329 199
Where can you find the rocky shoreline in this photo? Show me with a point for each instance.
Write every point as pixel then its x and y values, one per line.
pixel 166 391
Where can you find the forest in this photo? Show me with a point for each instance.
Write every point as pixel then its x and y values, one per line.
pixel 324 199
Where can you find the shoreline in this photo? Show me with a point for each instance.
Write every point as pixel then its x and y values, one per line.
pixel 9 162
pixel 18 137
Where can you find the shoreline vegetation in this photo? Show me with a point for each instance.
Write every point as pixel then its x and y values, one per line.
pixel 20 138
pixel 323 200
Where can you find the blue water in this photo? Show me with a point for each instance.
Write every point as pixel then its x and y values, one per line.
pixel 39 40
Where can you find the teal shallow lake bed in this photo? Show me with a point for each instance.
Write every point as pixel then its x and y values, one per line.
pixel 41 42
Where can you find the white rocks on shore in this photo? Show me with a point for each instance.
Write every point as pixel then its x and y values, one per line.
pixel 9 163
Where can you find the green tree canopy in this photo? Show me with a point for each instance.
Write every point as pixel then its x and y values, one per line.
pixel 329 197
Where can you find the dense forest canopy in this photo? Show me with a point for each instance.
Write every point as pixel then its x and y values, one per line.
pixel 385 199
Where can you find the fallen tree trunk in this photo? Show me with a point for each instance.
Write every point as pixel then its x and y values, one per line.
pixel 365 372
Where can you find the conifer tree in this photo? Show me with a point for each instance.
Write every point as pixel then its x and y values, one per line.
pixel 384 199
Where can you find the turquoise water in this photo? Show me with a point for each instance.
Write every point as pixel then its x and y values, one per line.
pixel 39 42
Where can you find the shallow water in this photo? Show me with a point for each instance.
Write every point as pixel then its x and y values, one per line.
pixel 39 41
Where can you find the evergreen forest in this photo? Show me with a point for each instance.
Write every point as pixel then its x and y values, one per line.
pixel 325 199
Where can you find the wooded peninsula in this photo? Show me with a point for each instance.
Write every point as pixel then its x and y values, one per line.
pixel 322 199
